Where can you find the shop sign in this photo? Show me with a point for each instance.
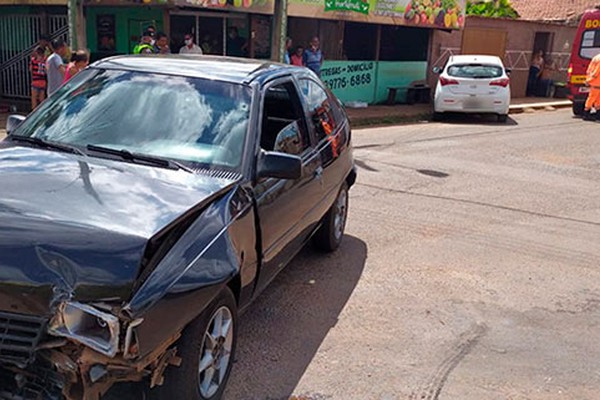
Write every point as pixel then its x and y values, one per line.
pixel 360 6
pixel 447 14
pixel 350 80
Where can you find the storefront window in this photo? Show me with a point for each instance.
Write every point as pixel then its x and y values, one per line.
pixel 359 41
pixel 403 44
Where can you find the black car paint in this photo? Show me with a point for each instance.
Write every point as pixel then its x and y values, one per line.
pixel 83 225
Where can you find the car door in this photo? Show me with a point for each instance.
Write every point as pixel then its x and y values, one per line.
pixel 286 208
pixel 331 130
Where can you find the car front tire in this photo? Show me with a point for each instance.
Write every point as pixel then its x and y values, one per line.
pixel 502 118
pixel 438 116
pixel 207 349
pixel 329 236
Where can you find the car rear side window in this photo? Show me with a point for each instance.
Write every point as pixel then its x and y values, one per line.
pixel 475 71
pixel 320 108
pixel 590 44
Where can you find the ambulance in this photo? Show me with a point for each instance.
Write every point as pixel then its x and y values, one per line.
pixel 585 46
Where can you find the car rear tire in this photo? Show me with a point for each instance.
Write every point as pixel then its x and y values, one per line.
pixel 329 236
pixel 207 350
pixel 502 118
pixel 578 108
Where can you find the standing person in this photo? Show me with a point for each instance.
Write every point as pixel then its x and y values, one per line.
pixel 313 56
pixel 190 47
pixel 288 49
pixel 79 60
pixel 298 57
pixel 44 43
pixel 162 44
pixel 146 44
pixel 236 45
pixel 537 63
pixel 592 104
pixel 38 77
pixel 546 81
pixel 55 67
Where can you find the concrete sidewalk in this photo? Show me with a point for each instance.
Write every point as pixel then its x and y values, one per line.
pixel 403 113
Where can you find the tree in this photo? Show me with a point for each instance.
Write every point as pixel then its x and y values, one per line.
pixel 492 9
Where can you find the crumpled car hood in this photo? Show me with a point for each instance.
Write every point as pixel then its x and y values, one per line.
pixel 72 226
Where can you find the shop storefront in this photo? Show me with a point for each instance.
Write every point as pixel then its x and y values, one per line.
pixel 115 27
pixel 373 45
pixel 233 28
pixel 369 45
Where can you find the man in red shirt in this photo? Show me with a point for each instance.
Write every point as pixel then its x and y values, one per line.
pixel 592 105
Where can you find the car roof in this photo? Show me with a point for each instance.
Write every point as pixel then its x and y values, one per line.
pixel 228 69
pixel 465 59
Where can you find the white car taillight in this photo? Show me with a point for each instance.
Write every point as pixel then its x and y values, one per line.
pixel 504 82
pixel 446 81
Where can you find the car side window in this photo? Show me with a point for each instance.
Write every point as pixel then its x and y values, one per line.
pixel 320 108
pixel 283 126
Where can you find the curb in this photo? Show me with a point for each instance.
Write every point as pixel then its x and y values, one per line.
pixel 366 122
pixel 521 108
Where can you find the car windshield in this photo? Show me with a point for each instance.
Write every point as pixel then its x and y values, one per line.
pixel 475 71
pixel 186 119
pixel 590 44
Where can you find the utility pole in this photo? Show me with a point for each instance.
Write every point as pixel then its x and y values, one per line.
pixel 279 30
pixel 73 14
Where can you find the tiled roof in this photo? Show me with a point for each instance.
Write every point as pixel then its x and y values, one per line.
pixel 552 10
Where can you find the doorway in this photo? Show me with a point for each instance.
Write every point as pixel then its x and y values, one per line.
pixel 543 41
pixel 210 31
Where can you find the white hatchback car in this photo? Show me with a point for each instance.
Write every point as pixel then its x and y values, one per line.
pixel 472 84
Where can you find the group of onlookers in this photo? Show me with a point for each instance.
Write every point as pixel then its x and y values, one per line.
pixel 53 64
pixel 310 57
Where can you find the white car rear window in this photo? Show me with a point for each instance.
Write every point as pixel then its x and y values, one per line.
pixel 475 71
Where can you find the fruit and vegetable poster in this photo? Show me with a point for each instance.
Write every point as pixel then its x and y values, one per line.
pixel 255 6
pixel 445 14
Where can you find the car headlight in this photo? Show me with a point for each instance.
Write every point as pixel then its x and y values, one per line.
pixel 88 326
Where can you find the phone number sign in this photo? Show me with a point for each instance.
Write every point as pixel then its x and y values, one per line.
pixel 350 80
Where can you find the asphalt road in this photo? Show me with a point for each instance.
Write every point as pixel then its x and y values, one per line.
pixel 470 270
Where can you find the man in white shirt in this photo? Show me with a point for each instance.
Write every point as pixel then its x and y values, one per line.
pixel 190 47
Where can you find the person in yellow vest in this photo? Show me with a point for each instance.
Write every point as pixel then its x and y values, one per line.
pixel 146 45
pixel 592 104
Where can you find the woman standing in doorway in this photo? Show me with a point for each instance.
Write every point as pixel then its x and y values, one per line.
pixel 537 63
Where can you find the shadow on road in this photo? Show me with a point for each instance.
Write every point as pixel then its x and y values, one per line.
pixel 282 331
pixel 476 119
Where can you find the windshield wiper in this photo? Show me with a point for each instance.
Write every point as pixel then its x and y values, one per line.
pixel 49 145
pixel 133 157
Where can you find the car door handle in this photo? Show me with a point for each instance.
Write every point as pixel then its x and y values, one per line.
pixel 319 173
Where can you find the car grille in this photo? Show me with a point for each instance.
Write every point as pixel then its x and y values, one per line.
pixel 19 336
pixel 38 382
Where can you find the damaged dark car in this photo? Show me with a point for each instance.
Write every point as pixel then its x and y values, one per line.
pixel 145 205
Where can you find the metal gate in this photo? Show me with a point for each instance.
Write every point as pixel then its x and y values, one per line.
pixel 19 34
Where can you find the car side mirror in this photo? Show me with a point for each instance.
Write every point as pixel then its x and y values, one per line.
pixel 436 70
pixel 508 71
pixel 13 122
pixel 272 164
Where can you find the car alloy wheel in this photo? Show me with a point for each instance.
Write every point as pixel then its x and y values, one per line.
pixel 215 352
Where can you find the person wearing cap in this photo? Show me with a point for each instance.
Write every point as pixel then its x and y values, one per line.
pixel 190 47
pixel 146 45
